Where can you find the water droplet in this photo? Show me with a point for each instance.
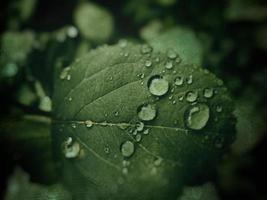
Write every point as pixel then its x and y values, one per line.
pixel 174 102
pixel 208 92
pixel 140 126
pixel 178 60
pixel 157 59
pixel 158 86
pixel 73 125
pixel 116 113
pixel 179 80
pixel 158 161
pixel 190 80
pixel 146 112
pixel 191 96
pixel 127 148
pixel 126 54
pixel 169 65
pixel 181 98
pixel 148 63
pixel 171 54
pixel 123 126
pixel 138 137
pixel 170 97
pixel 219 108
pixel 107 150
pixel 197 116
pixel 88 123
pixel 70 98
pixel 146 132
pixel 65 72
pixel 146 49
pixel 70 149
pixel 125 163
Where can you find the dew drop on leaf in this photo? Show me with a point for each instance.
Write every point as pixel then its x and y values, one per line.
pixel 147 112
pixel 140 126
pixel 127 148
pixel 219 108
pixel 197 116
pixel 208 92
pixel 191 96
pixel 64 74
pixel 70 149
pixel 179 80
pixel 158 161
pixel 171 54
pixel 169 65
pixel 190 80
pixel 146 132
pixel 148 63
pixel 158 86
pixel 88 123
pixel 138 137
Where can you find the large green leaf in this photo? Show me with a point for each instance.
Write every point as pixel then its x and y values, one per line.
pixel 130 123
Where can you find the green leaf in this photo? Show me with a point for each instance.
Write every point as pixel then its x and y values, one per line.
pixel 127 127
pixel 20 187
pixel 203 192
pixel 183 41
pixel 94 22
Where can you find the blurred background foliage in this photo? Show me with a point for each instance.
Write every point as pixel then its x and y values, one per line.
pixel 40 37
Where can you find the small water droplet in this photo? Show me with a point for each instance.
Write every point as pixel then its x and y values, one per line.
pixel 123 126
pixel 140 126
pixel 88 123
pixel 181 98
pixel 158 161
pixel 146 132
pixel 219 108
pixel 70 98
pixel 116 113
pixel 125 163
pixel 65 72
pixel 148 63
pixel 208 92
pixel 146 112
pixel 126 54
pixel 73 125
pixel 170 97
pixel 158 86
pixel 191 96
pixel 190 80
pixel 127 148
pixel 178 60
pixel 146 49
pixel 174 102
pixel 138 137
pixel 197 116
pixel 169 65
pixel 171 54
pixel 157 59
pixel 70 148
pixel 107 150
pixel 179 80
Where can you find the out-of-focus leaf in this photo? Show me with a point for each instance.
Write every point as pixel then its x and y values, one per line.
pixel 132 123
pixel 151 30
pixel 183 41
pixel 94 22
pixel 20 187
pixel 203 192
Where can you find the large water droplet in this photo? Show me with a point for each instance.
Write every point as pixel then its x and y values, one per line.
pixel 197 116
pixel 70 148
pixel 179 80
pixel 208 92
pixel 158 86
pixel 192 96
pixel 127 148
pixel 147 112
